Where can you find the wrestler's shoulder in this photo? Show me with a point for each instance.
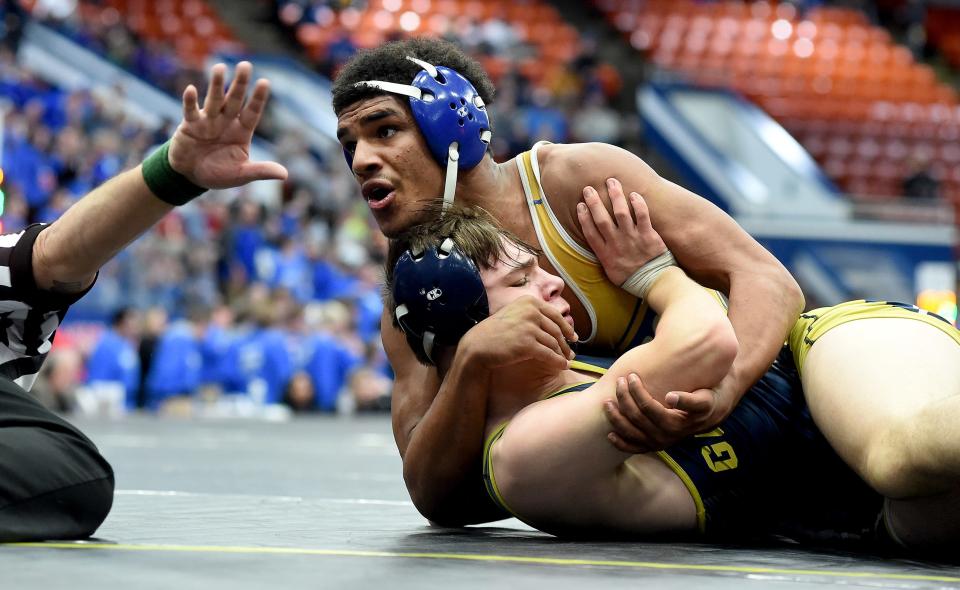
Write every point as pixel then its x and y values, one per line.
pixel 580 164
pixel 579 155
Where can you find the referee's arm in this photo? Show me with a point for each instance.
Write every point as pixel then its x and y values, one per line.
pixel 210 149
pixel 68 254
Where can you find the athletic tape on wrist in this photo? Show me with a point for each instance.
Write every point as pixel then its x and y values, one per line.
pixel 164 182
pixel 639 283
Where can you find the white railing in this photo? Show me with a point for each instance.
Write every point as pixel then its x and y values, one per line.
pixel 905 209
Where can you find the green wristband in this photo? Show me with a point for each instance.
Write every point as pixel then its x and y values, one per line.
pixel 164 182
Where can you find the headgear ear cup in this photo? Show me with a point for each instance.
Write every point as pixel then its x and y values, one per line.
pixel 439 296
pixel 455 114
pixel 450 114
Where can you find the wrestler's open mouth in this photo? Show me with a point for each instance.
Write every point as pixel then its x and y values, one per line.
pixel 376 190
pixel 379 193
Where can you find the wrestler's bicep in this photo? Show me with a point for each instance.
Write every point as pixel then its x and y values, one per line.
pixel 706 241
pixel 555 448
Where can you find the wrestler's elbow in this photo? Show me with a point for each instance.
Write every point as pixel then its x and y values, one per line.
pixel 435 500
pixel 796 302
pixel 712 348
pixel 721 347
pixel 423 496
pixel 780 287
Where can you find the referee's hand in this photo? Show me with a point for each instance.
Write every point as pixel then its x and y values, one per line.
pixel 211 147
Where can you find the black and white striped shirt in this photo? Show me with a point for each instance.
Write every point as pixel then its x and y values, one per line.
pixel 29 317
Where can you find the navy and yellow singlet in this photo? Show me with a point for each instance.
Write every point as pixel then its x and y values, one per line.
pixel 765 471
pixel 619 320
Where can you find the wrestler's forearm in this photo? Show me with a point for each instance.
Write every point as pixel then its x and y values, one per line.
pixel 763 308
pixel 442 460
pixel 68 254
pixel 698 343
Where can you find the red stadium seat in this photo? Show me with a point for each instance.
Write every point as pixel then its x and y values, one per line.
pixel 856 83
pixel 183 24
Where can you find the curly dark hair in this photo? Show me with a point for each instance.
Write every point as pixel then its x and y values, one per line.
pixel 389 63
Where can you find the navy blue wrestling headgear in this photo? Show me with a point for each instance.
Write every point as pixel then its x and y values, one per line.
pixel 451 115
pixel 439 296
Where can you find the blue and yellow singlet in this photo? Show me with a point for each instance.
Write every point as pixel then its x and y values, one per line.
pixel 596 366
pixel 765 470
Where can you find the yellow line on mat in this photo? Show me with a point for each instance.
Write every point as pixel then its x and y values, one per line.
pixel 489 558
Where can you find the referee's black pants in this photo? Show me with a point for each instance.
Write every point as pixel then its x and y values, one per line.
pixel 54 484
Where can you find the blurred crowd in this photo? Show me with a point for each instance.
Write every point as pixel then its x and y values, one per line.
pixel 572 101
pixel 245 300
pixel 237 301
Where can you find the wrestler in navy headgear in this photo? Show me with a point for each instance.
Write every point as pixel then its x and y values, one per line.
pixel 439 295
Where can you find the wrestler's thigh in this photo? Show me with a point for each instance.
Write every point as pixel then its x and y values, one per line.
pixel 865 377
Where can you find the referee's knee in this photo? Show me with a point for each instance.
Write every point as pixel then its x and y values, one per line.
pixel 63 489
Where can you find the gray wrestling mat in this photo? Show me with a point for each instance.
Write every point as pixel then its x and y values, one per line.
pixel 320 504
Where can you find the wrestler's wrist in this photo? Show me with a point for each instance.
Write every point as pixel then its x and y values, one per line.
pixel 642 280
pixel 476 355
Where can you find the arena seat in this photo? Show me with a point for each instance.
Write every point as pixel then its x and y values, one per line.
pixel 192 27
pixel 943 30
pixel 831 69
pixel 535 22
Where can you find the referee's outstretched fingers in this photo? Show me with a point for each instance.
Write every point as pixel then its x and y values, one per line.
pixel 238 89
pixel 211 146
pixel 213 101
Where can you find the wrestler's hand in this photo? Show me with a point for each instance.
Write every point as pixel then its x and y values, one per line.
pixel 624 242
pixel 641 424
pixel 211 147
pixel 526 329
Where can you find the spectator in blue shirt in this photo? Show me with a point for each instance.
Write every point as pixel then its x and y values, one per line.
pixel 258 363
pixel 292 270
pixel 247 237
pixel 114 364
pixel 177 366
pixel 215 348
pixel 329 365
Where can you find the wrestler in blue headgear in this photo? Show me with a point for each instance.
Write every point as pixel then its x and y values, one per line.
pixel 450 114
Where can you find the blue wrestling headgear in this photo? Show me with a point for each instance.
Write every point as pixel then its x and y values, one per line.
pixel 451 115
pixel 439 296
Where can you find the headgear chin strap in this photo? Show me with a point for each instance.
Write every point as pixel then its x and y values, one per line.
pixel 451 115
pixel 439 296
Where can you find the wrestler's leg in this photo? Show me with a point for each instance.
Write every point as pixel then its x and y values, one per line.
pixel 886 394
pixel 925 523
